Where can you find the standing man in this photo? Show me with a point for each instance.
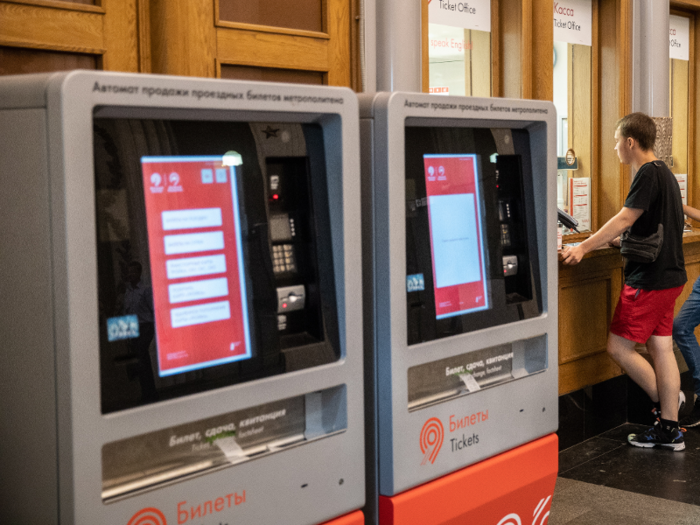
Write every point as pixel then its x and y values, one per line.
pixel 684 336
pixel 644 313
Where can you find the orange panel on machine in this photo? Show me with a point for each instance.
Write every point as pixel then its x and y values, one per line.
pixel 511 488
pixel 354 518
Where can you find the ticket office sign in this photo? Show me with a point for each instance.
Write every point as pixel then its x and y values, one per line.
pixel 196 260
pixel 456 237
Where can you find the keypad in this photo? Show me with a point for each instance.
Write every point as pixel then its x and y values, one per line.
pixel 283 258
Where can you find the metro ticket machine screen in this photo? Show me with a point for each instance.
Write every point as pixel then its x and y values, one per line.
pixel 471 252
pixel 456 239
pixel 213 251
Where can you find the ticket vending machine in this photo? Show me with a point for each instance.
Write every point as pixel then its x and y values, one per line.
pixel 460 271
pixel 181 311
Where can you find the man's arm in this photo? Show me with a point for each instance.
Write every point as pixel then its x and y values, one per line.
pixel 625 218
pixel 691 212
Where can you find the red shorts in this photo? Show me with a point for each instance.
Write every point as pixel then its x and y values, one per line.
pixel 642 313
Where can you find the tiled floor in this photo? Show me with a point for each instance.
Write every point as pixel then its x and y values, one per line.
pixel 604 480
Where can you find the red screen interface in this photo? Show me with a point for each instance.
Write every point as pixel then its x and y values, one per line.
pixel 194 237
pixel 456 241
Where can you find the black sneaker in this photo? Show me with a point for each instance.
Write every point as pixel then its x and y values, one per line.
pixel 659 437
pixel 692 419
pixel 656 413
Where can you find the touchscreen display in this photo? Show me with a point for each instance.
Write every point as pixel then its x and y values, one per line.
pixel 456 240
pixel 214 253
pixel 471 242
pixel 194 239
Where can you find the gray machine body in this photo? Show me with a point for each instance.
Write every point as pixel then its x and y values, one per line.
pixel 504 416
pixel 52 430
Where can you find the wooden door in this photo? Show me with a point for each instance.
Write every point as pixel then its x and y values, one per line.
pixel 54 35
pixel 296 41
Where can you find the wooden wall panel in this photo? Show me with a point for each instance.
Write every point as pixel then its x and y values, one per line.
pixel 542 43
pixel 272 75
pixel 250 48
pixel 183 37
pixel 37 27
pixel 299 14
pixel 583 330
pixel 339 42
pixel 588 294
pixel 510 16
pixel 17 61
pixel 121 36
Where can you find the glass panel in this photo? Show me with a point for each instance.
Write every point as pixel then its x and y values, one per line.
pixel 439 381
pixel 299 14
pixel 460 61
pixel 268 74
pixel 572 99
pixel 16 61
pixel 212 254
pixel 679 95
pixel 471 261
pixel 139 463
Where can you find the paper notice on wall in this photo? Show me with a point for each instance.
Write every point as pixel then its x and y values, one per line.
pixel 679 37
pixel 683 183
pixel 573 22
pixel 439 90
pixel 474 14
pixel 580 201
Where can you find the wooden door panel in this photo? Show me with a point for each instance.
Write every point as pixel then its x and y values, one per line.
pixel 300 14
pixel 37 27
pixel 272 75
pixel 262 49
pixel 17 61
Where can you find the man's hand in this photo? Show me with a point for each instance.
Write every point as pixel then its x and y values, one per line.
pixel 571 255
pixel 615 243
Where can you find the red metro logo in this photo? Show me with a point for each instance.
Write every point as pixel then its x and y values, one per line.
pixel 148 516
pixel 431 437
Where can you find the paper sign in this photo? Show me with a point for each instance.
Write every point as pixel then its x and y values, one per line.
pixel 469 381
pixel 683 183
pixel 439 91
pixel 573 22
pixel 474 14
pixel 580 201
pixel 679 37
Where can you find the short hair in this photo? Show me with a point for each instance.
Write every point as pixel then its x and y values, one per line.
pixel 640 127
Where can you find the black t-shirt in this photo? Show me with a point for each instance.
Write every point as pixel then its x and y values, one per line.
pixel 656 191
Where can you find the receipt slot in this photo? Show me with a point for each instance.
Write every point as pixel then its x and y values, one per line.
pixel 181 334
pixel 460 300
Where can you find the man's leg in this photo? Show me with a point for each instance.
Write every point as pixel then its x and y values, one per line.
pixel 684 334
pixel 668 378
pixel 622 351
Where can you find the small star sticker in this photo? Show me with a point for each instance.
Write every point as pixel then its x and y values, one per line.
pixel 270 132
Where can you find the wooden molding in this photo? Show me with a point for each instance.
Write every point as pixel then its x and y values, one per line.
pixel 121 35
pixel 36 27
pixel 57 4
pixel 692 5
pixel 184 39
pixel 425 47
pixel 269 29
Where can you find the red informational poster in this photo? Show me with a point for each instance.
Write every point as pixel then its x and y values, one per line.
pixel 456 240
pixel 194 238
